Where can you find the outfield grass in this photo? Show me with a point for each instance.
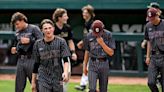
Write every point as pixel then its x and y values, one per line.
pixel 8 86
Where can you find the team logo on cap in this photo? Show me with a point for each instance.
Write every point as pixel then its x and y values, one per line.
pixel 97 30
pixel 149 14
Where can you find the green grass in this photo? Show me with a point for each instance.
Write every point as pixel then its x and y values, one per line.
pixel 8 86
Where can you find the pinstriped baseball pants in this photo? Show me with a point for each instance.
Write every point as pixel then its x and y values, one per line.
pixel 156 65
pixel 24 71
pixel 98 70
pixel 50 89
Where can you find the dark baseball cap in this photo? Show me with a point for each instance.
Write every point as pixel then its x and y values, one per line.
pixel 97 27
pixel 153 5
pixel 152 12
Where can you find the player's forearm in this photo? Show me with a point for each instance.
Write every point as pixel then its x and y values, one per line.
pixel 108 50
pixel 148 50
pixel 71 45
pixel 66 66
pixel 34 77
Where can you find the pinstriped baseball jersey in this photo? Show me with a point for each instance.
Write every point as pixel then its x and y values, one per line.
pixel 96 51
pixel 49 56
pixel 32 32
pixel 155 34
pixel 25 64
pixel 98 63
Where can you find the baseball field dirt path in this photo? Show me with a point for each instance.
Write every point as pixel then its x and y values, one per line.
pixel 112 80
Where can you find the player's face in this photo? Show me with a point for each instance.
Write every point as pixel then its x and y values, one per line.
pixel 153 19
pixel 19 25
pixel 86 15
pixel 48 30
pixel 64 18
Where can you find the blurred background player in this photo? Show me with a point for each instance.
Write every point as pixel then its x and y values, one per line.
pixel 98 45
pixel 143 44
pixel 48 53
pixel 64 30
pixel 26 35
pixel 152 5
pixel 154 31
pixel 88 16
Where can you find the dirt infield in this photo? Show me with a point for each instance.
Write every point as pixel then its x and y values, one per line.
pixel 112 80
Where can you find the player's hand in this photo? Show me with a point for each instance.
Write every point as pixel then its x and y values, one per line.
pixel 147 60
pixel 33 87
pixel 80 44
pixel 13 50
pixel 100 40
pixel 25 40
pixel 65 77
pixel 74 57
pixel 85 71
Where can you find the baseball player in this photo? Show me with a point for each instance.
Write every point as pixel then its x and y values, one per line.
pixel 152 5
pixel 143 44
pixel 154 34
pixel 26 35
pixel 48 54
pixel 88 16
pixel 98 45
pixel 64 30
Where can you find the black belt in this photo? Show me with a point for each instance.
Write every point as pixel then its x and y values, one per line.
pixel 100 59
pixel 24 56
pixel 157 52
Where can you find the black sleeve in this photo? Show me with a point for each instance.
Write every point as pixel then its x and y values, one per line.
pixel 65 59
pixel 36 58
pixel 70 33
pixel 36 66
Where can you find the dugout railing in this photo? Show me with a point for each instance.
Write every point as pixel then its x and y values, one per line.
pixel 119 38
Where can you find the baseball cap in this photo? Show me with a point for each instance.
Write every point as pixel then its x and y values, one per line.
pixel 153 5
pixel 152 12
pixel 97 27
